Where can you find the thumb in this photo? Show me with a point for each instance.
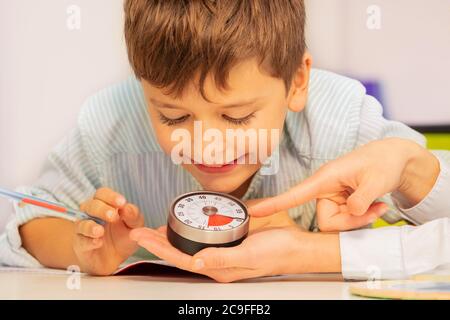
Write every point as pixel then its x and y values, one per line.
pixel 361 199
pixel 220 258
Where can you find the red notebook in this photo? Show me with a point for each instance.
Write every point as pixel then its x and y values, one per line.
pixel 153 268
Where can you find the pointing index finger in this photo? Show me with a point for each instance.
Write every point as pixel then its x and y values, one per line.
pixel 305 191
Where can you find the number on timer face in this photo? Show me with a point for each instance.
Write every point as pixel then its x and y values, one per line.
pixel 209 212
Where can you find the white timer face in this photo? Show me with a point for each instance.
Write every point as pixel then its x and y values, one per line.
pixel 209 212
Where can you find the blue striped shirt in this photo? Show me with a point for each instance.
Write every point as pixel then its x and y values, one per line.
pixel 114 145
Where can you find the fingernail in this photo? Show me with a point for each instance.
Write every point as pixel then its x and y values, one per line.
pixel 372 219
pixel 120 201
pixel 130 211
pixel 111 215
pixel 97 230
pixel 199 264
pixel 383 210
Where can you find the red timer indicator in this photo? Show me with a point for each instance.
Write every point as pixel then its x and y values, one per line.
pixel 216 219
pixel 208 219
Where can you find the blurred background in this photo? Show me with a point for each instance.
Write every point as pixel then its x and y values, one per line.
pixel 55 53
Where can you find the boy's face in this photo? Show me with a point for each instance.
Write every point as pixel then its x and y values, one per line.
pixel 254 101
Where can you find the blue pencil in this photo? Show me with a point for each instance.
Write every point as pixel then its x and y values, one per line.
pixel 27 199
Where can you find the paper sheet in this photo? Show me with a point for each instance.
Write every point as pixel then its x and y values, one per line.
pixel 33 270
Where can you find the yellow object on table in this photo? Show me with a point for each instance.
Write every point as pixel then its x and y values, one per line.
pixel 403 289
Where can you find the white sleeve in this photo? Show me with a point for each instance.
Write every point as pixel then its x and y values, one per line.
pixel 435 205
pixel 395 252
pixel 11 251
pixel 68 177
pixel 399 252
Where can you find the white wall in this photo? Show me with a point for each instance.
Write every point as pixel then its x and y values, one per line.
pixel 47 70
pixel 410 54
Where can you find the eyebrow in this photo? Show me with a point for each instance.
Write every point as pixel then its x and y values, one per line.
pixel 231 105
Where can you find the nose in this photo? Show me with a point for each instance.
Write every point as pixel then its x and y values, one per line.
pixel 209 144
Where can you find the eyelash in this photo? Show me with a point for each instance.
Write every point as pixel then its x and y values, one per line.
pixel 240 122
pixel 171 122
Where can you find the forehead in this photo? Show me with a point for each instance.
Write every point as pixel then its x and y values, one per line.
pixel 246 81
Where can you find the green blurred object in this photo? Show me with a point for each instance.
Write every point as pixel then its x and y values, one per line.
pixel 438 141
pixel 379 223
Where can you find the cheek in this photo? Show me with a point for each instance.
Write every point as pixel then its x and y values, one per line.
pixel 163 134
pixel 273 122
pixel 165 142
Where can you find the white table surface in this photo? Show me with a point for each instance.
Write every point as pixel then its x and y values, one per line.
pixel 53 284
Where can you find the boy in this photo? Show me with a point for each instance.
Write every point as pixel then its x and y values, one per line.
pixel 226 64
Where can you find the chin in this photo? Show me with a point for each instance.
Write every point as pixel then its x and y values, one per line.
pixel 225 183
pixel 220 185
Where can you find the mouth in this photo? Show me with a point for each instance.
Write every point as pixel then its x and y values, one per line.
pixel 218 168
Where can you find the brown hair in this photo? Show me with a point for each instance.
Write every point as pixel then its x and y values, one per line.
pixel 169 41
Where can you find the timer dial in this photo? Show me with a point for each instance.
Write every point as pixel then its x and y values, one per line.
pixel 203 219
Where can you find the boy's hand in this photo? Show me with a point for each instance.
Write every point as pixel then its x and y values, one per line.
pixel 347 187
pixel 101 249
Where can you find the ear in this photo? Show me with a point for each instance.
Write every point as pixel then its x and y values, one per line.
pixel 299 86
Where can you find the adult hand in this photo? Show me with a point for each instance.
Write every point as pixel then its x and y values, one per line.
pixel 346 188
pixel 266 252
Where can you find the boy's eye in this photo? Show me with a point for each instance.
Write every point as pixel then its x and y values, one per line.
pixel 171 122
pixel 239 121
